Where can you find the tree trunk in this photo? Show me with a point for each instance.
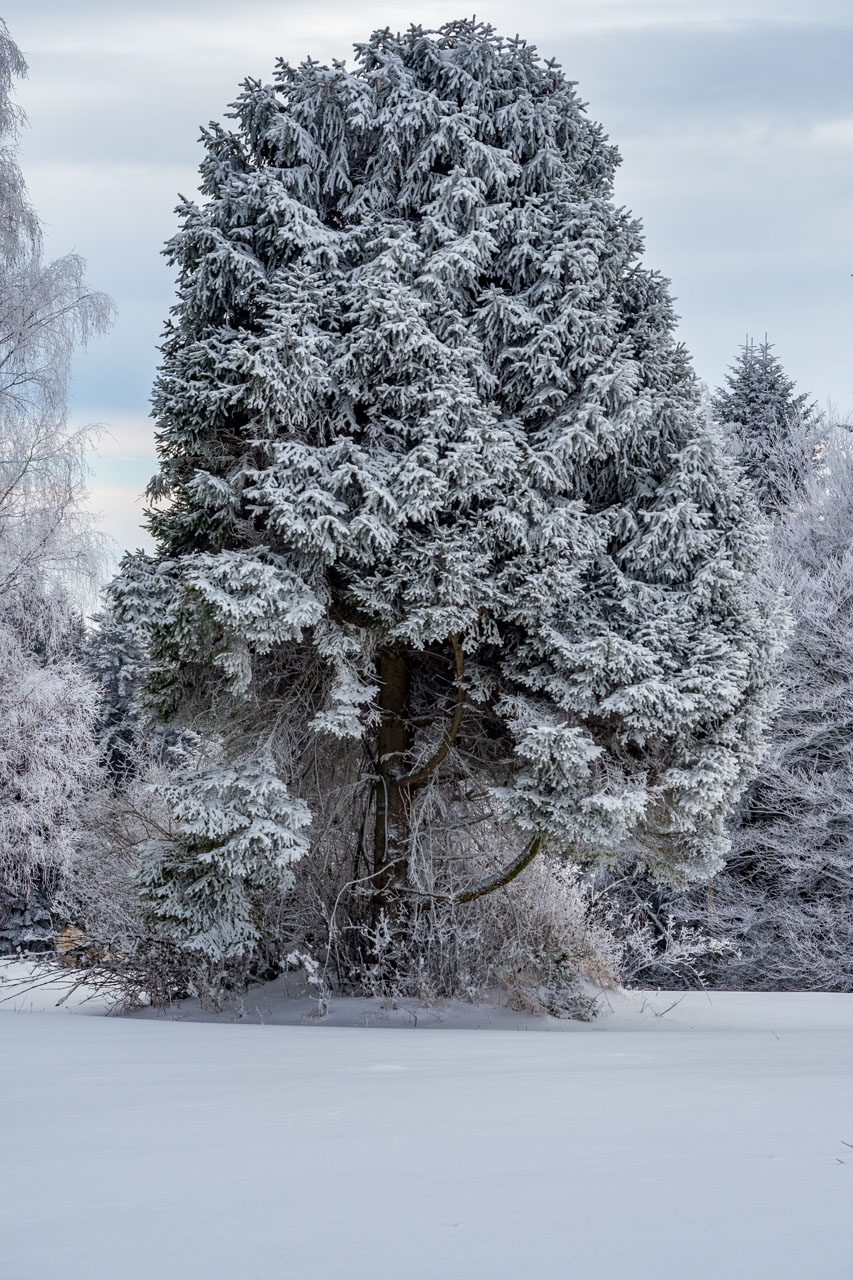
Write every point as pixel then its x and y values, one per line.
pixel 391 830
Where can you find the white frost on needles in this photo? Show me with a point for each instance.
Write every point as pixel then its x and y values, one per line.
pixel 236 830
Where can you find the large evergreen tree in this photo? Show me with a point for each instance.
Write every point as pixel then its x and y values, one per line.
pixel 439 520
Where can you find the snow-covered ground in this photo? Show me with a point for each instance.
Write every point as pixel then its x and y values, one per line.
pixel 148 1148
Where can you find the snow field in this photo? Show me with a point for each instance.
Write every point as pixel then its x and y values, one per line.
pixel 136 1148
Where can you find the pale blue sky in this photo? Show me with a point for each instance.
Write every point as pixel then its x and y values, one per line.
pixel 735 122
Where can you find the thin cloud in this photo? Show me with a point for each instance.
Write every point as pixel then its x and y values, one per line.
pixel 194 27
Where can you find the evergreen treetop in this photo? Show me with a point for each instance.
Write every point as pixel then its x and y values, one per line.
pixel 770 423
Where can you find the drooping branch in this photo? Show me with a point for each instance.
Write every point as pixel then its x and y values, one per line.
pixel 500 878
pixel 421 774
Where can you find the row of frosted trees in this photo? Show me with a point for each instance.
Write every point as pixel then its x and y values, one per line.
pixel 453 659
pixel 49 551
pixel 781 907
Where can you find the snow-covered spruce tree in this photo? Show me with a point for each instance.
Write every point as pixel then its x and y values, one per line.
pixel 769 426
pixel 47 546
pixel 439 519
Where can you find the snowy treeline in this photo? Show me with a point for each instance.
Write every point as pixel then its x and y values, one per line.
pixel 48 549
pixel 782 906
pixel 458 621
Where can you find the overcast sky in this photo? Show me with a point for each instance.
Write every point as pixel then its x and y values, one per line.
pixel 734 119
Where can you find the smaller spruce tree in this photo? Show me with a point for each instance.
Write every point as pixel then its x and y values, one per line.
pixel 767 422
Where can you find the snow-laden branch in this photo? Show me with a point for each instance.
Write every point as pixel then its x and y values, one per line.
pixel 501 878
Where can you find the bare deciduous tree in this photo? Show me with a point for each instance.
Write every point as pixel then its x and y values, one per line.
pixel 50 550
